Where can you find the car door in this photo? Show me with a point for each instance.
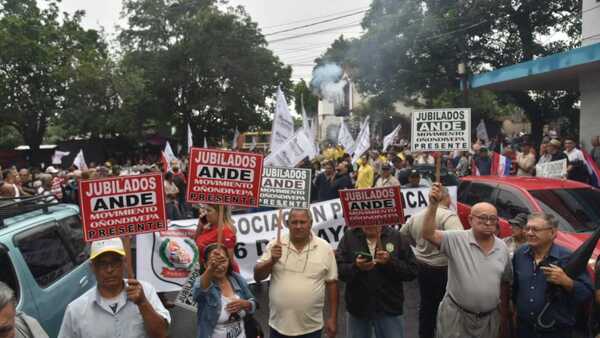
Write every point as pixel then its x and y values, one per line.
pixel 60 274
pixel 471 193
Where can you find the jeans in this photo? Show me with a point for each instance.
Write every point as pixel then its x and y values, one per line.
pixel 432 287
pixel 275 334
pixel 384 327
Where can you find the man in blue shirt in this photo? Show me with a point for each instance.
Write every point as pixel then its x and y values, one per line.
pixel 483 162
pixel 536 264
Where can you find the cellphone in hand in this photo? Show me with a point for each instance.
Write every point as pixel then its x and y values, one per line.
pixel 364 255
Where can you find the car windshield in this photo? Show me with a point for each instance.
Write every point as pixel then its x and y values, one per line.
pixel 578 210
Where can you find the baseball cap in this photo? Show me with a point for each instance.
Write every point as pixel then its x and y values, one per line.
pixel 51 170
pixel 108 245
pixel 520 220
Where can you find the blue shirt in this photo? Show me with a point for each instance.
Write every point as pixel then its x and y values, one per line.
pixel 209 302
pixel 484 164
pixel 529 288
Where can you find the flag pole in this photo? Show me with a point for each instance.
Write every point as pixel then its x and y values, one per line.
pixel 128 259
pixel 438 167
pixel 279 222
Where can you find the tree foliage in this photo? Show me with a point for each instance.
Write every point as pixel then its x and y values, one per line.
pixel 411 50
pixel 201 65
pixel 42 59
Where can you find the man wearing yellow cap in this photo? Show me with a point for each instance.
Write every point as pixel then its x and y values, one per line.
pixel 116 307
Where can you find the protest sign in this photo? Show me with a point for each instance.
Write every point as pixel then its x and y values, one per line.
pixel 554 169
pixel 122 206
pixel 224 177
pixel 441 130
pixel 285 187
pixel 291 152
pixel 254 231
pixel 372 207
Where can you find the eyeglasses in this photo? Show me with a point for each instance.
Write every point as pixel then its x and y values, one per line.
pixel 487 219
pixel 535 230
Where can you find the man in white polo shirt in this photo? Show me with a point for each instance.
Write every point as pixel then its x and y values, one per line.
pixel 115 307
pixel 302 267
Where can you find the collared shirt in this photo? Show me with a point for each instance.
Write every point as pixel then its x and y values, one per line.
pixel 297 291
pixel 85 317
pixel 473 276
pixel 575 155
pixel 529 287
pixel 445 219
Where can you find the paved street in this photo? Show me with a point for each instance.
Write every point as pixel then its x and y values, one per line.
pixel 184 324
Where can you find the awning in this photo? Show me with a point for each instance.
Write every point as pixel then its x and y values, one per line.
pixel 553 72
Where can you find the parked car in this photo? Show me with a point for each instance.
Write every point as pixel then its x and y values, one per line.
pixel 576 205
pixel 43 257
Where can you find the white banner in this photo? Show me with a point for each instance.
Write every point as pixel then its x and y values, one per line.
pixel 292 152
pixel 345 139
pixel 554 169
pixel 283 123
pixel 389 138
pixel 165 259
pixel 363 141
pixel 190 139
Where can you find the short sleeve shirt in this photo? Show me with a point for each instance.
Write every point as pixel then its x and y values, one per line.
pixel 297 291
pixel 473 277
pixel 85 317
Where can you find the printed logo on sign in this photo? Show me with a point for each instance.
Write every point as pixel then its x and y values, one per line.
pixel 441 130
pixel 120 206
pixel 179 255
pixel 224 177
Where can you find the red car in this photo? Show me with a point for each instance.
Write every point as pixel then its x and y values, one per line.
pixel 575 205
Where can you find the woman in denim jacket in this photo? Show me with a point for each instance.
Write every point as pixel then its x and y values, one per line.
pixel 223 297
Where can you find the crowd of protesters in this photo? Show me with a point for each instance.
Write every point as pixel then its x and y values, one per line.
pixel 472 284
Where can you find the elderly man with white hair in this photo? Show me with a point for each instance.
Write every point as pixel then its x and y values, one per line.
pixel 13 323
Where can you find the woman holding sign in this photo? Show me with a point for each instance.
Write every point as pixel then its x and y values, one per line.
pixel 223 297
pixel 207 231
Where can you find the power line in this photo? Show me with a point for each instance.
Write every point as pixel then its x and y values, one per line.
pixel 314 33
pixel 316 23
pixel 315 18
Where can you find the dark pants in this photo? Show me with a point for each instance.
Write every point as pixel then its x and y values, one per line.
pixel 527 330
pixel 432 287
pixel 275 334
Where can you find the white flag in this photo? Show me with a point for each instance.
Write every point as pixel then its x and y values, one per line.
pixel 389 138
pixel 236 135
pixel 283 123
pixel 79 161
pixel 58 155
pixel 345 139
pixel 205 142
pixel 169 155
pixel 292 152
pixel 190 139
pixel 363 141
pixel 253 144
pixel 482 133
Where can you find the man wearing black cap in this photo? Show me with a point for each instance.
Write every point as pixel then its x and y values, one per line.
pixel 386 179
pixel 414 180
pixel 518 235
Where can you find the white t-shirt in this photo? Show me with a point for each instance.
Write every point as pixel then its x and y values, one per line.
pixel 229 325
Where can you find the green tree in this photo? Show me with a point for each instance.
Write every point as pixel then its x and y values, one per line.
pixel 201 65
pixel 41 54
pixel 411 50
pixel 302 93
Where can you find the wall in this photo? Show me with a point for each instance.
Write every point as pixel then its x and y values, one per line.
pixel 589 86
pixel 590 33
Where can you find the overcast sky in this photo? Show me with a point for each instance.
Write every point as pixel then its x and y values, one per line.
pixel 271 15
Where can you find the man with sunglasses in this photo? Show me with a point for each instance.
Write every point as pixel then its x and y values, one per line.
pixel 536 264
pixel 303 270
pixel 479 272
pixel 116 307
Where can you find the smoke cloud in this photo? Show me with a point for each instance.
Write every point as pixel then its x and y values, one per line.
pixel 327 83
